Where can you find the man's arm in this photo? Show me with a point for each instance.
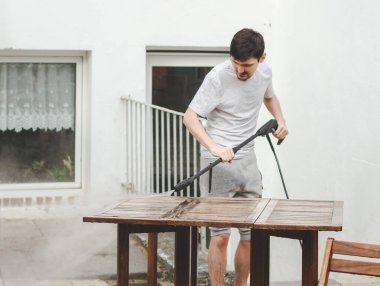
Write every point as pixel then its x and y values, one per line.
pixel 196 129
pixel 274 107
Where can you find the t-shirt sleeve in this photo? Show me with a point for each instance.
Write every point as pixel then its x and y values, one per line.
pixel 206 98
pixel 269 92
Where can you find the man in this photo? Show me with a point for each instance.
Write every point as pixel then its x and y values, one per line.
pixel 230 98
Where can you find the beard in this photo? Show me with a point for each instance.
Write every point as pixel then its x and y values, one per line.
pixel 243 76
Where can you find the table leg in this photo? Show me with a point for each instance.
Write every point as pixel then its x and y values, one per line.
pixel 152 259
pixel 182 256
pixel 310 259
pixel 122 255
pixel 260 243
pixel 194 256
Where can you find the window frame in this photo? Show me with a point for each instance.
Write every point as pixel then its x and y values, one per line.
pixel 77 58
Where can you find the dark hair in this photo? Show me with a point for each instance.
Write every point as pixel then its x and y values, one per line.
pixel 247 43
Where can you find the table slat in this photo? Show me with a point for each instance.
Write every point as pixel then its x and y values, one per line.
pixel 301 215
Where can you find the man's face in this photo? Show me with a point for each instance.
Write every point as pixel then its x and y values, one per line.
pixel 245 69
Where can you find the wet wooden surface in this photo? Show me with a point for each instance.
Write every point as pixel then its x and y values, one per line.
pixel 229 212
pixel 295 219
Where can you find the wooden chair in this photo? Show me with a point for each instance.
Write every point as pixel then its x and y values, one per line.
pixel 343 265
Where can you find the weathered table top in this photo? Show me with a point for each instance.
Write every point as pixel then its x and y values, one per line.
pixel 226 212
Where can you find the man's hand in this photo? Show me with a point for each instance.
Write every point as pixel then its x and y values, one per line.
pixel 273 106
pixel 225 153
pixel 281 130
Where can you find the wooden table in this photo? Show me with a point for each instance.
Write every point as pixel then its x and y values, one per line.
pixel 266 217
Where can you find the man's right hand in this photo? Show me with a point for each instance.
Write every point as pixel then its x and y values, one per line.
pixel 195 127
pixel 225 153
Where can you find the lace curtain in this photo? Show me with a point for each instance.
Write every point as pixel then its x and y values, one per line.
pixel 37 96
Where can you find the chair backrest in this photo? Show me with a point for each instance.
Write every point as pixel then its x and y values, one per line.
pixel 343 265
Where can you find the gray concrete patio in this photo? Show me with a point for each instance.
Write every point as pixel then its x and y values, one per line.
pixel 62 252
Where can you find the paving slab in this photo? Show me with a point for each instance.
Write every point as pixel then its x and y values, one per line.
pixel 298 283
pixel 88 283
pixel 33 282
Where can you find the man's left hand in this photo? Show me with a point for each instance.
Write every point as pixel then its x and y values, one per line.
pixel 281 131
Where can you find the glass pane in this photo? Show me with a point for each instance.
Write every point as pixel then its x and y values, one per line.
pixel 37 156
pixel 37 119
pixel 174 87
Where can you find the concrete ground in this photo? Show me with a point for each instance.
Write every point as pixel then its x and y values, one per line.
pixel 63 252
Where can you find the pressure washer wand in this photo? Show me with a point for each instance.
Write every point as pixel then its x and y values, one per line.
pixel 264 130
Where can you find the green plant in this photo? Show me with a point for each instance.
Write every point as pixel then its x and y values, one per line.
pixel 64 172
pixel 37 172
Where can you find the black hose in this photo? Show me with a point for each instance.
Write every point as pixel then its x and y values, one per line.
pixel 278 165
pixel 279 169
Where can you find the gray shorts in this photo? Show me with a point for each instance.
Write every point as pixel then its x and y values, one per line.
pixel 239 179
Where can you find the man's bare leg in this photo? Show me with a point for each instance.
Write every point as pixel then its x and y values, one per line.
pixel 217 259
pixel 242 263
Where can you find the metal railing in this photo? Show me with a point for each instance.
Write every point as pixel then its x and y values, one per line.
pixel 160 152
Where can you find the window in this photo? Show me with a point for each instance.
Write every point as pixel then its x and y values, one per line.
pixel 40 122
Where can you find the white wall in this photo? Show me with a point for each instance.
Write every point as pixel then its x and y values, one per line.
pixel 326 62
pixel 326 72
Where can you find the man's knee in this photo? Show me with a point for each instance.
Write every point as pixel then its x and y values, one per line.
pixel 221 240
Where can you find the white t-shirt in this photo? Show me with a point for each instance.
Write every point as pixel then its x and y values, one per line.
pixel 232 106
